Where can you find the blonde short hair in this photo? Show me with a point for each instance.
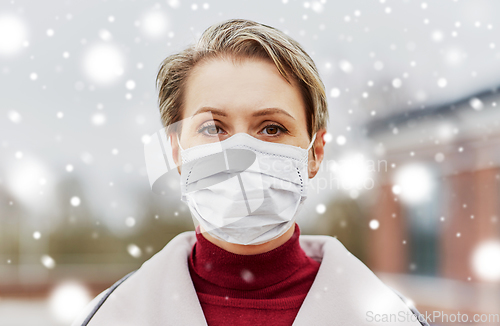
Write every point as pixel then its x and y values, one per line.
pixel 241 38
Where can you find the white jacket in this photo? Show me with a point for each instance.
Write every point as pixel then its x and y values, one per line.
pixel 160 293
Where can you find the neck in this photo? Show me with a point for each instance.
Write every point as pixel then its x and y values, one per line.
pixel 249 249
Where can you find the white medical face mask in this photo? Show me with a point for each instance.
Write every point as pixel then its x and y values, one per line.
pixel 244 190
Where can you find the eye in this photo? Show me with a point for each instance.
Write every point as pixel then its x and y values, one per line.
pixel 274 130
pixel 210 129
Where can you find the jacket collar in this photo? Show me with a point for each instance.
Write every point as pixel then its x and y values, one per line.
pixel 344 292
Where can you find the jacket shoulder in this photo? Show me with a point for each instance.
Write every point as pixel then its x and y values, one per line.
pixel 409 303
pixel 181 241
pixel 319 246
pixel 80 319
pixel 89 311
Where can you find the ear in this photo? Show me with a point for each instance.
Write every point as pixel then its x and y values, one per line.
pixel 319 153
pixel 176 153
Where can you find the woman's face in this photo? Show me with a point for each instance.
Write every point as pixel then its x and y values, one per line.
pixel 223 98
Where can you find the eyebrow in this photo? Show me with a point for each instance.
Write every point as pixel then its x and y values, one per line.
pixel 272 111
pixel 214 111
pixel 266 111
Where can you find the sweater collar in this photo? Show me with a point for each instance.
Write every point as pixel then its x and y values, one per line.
pixel 246 272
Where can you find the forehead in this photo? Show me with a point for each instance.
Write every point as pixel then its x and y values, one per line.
pixel 242 84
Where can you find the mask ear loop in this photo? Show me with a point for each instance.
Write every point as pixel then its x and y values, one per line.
pixel 179 143
pixel 312 142
pixel 311 145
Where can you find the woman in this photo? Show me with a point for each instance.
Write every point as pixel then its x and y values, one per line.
pixel 253 115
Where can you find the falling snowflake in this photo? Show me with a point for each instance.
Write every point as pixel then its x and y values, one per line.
pixel 247 276
pixel 130 84
pixel 134 250
pixel 486 261
pixel 442 82
pixel 48 261
pixel 154 24
pixel 335 92
pixel 374 224
pixel 98 119
pixel 130 221
pixel 75 201
pixel 345 66
pixel 476 104
pixel 103 63
pixel 105 35
pixel 320 209
pixel 14 116
pixel 67 300
pixel 13 33
pixel 396 83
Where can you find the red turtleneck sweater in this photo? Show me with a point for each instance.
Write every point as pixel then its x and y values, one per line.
pixel 262 289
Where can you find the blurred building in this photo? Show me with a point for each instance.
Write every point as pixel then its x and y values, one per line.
pixel 438 203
